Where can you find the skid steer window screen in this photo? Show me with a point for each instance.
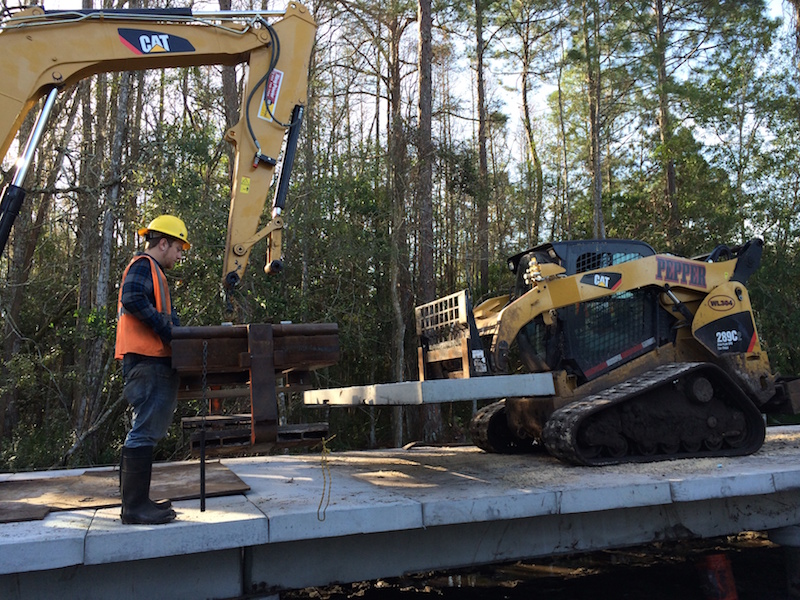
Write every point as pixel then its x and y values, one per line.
pixel 589 261
pixel 610 331
pixel 593 337
pixel 607 332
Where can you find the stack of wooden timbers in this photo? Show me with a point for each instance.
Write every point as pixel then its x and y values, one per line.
pixel 259 361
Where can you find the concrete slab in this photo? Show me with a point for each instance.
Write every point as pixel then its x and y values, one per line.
pixel 447 485
pixel 54 542
pixel 786 536
pixel 227 522
pixel 786 479
pixel 304 500
pixel 608 496
pixel 486 506
pixel 435 391
pixel 704 486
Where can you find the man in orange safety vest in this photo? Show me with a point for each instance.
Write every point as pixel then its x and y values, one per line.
pixel 145 318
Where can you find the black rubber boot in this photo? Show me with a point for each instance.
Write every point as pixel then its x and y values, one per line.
pixel 161 504
pixel 135 473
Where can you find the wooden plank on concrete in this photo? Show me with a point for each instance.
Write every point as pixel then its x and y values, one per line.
pixel 28 499
pixel 11 512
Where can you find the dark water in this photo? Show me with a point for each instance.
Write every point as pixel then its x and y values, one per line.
pixel 657 572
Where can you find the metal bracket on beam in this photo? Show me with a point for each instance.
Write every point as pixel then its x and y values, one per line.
pixel 263 399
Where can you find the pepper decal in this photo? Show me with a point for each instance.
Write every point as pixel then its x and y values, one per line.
pixel 682 272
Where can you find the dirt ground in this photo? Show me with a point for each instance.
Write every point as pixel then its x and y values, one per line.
pixel 654 572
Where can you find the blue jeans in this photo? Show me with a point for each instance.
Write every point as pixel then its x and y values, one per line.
pixel 151 389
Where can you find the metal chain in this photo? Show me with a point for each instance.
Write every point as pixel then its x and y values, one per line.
pixel 205 374
pixel 203 411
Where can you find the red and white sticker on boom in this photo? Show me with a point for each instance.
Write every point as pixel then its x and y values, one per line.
pixel 270 97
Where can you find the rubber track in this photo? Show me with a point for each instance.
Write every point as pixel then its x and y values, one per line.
pixel 490 432
pixel 560 431
pixel 479 425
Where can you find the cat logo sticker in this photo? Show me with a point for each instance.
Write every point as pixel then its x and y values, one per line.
pixel 608 281
pixel 144 41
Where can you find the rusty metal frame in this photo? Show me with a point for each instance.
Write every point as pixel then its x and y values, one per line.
pixel 252 357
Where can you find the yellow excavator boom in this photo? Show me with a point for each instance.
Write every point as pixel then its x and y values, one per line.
pixel 43 51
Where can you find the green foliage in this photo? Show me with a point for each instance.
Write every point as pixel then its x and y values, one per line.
pixel 773 292
pixel 34 446
pixel 42 433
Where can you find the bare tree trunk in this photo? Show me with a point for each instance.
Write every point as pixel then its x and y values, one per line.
pixel 230 97
pixel 128 213
pixel 397 183
pixel 795 4
pixel 567 207
pixel 449 243
pixel 397 412
pixel 310 132
pixel 534 165
pixel 665 128
pixel 483 163
pixel 432 426
pixel 591 44
pixel 426 156
pixel 93 148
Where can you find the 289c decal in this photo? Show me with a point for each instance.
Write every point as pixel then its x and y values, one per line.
pixel 731 333
pixel 726 339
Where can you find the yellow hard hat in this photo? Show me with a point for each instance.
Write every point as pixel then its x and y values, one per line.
pixel 168 225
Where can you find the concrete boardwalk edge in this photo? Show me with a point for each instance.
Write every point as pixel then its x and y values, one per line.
pixel 362 515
